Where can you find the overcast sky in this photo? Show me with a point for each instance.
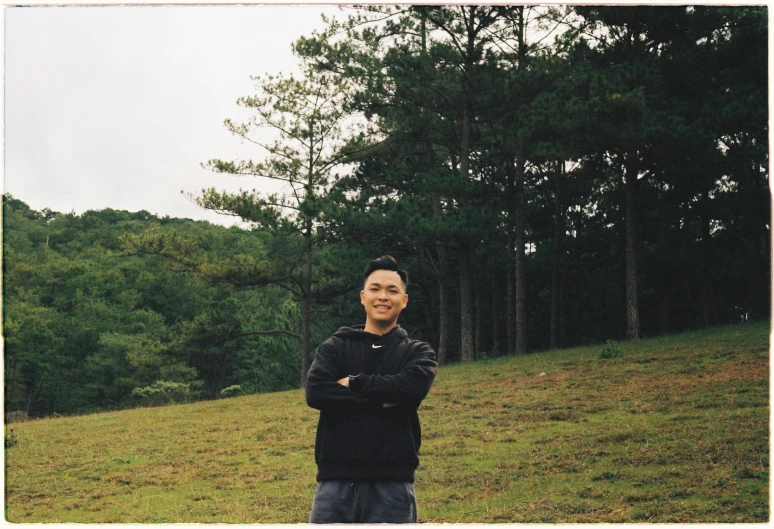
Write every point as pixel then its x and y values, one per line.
pixel 117 106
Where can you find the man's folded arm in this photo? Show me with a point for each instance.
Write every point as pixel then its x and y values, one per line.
pixel 324 393
pixel 409 386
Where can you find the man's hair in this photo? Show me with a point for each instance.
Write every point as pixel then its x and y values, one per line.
pixel 385 262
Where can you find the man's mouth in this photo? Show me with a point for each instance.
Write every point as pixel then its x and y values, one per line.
pixel 382 307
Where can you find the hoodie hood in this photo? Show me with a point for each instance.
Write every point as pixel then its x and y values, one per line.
pixel 358 332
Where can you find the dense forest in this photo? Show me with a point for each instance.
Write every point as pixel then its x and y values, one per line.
pixel 549 176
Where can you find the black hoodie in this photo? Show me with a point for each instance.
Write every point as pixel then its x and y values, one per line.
pixel 358 438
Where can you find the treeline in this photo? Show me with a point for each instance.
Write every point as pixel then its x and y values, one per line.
pixel 550 176
pixel 88 326
pixel 555 175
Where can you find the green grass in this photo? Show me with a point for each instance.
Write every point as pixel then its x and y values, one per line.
pixel 675 430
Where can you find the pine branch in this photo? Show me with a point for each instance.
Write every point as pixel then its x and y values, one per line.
pixel 252 333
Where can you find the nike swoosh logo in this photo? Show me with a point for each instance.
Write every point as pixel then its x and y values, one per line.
pixel 376 346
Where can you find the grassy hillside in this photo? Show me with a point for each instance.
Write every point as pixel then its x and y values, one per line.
pixel 674 430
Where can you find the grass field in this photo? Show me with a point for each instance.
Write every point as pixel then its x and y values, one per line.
pixel 674 430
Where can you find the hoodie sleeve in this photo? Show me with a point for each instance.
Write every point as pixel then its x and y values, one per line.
pixel 409 386
pixel 324 393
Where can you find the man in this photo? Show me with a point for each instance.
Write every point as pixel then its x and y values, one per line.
pixel 368 381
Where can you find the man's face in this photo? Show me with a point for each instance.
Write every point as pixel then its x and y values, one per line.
pixel 383 296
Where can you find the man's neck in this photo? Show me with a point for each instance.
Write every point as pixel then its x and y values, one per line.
pixel 378 328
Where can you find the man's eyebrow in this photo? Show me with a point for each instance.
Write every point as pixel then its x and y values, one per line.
pixel 375 284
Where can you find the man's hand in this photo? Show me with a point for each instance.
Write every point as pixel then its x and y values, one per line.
pixel 345 382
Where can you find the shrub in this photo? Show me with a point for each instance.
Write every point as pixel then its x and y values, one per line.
pixel 10 439
pixel 163 392
pixel 16 416
pixel 231 391
pixel 610 350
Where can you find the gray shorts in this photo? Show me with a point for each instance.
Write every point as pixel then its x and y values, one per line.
pixel 364 502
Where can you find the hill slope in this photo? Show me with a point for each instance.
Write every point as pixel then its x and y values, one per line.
pixel 675 430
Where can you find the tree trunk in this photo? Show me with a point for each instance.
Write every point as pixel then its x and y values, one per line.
pixel 563 311
pixel 496 315
pixel 466 250
pixel 11 381
pixel 753 241
pixel 33 393
pixel 306 307
pixel 520 269
pixel 443 258
pixel 664 314
pixel 510 310
pixel 52 399
pixel 430 317
pixel 466 304
pixel 632 309
pixel 706 279
pixel 478 346
pixel 519 227
pixel 510 303
pixel 762 198
pixel 444 302
pixel 560 226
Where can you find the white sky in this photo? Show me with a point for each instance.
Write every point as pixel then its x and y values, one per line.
pixel 117 106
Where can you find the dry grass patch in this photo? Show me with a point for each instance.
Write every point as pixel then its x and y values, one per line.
pixel 674 431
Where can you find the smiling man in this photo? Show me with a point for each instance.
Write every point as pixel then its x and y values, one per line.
pixel 368 381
